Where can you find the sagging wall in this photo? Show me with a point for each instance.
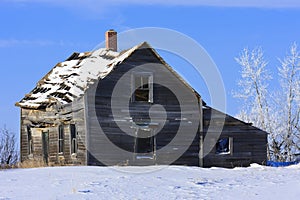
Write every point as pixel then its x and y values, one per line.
pixel 41 129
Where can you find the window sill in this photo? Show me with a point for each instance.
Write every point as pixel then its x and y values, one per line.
pixel 144 157
pixel 143 102
pixel 223 153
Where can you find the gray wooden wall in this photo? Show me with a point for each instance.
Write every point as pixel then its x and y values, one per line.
pixel 109 145
pixel 249 142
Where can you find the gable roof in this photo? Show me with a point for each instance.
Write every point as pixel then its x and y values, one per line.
pixel 69 80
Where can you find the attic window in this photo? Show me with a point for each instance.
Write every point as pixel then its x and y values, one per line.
pixel 143 87
pixel 224 146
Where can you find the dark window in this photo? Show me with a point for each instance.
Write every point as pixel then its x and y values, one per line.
pixel 45 145
pixel 223 146
pixel 61 136
pixel 73 139
pixel 29 140
pixel 143 88
pixel 144 143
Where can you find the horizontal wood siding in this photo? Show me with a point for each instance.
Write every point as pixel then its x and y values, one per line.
pixel 49 121
pixel 249 143
pixel 101 140
pixel 109 145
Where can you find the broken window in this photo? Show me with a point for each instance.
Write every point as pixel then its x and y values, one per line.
pixel 143 87
pixel 61 136
pixel 73 139
pixel 224 146
pixel 29 140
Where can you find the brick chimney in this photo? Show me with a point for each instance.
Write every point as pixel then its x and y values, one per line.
pixel 111 40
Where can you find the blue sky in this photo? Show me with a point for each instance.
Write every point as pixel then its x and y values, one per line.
pixel 35 35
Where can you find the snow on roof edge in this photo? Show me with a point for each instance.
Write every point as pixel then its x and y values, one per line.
pixel 73 72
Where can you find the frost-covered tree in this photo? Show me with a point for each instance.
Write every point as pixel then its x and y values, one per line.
pixel 253 87
pixel 278 112
pixel 289 104
pixel 253 90
pixel 8 148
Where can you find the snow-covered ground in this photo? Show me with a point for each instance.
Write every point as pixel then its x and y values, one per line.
pixel 155 182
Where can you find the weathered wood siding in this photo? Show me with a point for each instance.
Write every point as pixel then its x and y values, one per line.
pixel 49 120
pixel 249 143
pixel 105 137
pixel 109 145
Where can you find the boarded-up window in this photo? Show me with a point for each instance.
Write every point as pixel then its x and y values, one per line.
pixel 224 146
pixel 29 140
pixel 61 136
pixel 73 139
pixel 143 87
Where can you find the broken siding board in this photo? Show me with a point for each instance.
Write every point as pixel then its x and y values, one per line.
pixel 50 119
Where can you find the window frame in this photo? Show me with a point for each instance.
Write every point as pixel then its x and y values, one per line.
pixel 149 75
pixel 29 141
pixel 145 131
pixel 61 139
pixel 73 140
pixel 230 146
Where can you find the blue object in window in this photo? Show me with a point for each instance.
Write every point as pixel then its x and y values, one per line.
pixel 222 146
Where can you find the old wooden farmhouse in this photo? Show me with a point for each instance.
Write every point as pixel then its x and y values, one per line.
pixel 75 116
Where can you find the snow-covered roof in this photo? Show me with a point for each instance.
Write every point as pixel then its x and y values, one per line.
pixel 68 80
